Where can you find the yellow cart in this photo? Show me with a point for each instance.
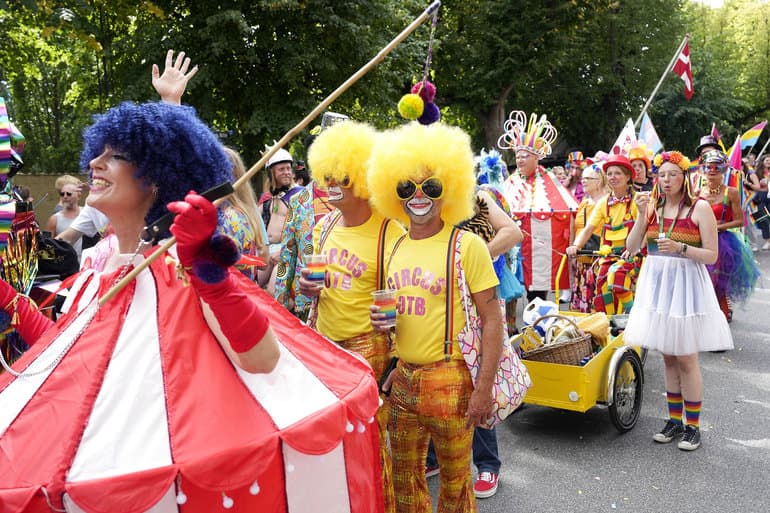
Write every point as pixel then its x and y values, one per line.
pixel 613 377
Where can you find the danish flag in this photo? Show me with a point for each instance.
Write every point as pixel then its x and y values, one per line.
pixel 683 69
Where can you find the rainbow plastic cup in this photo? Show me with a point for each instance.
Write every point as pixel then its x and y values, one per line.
pixel 386 300
pixel 317 266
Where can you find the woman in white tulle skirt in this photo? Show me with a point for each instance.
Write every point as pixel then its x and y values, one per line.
pixel 675 309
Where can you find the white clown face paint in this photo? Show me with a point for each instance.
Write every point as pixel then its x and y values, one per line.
pixel 335 193
pixel 419 207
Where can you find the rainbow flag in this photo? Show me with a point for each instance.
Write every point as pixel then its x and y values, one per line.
pixel 734 174
pixel 751 136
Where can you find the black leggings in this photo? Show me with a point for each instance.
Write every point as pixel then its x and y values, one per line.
pixel 761 199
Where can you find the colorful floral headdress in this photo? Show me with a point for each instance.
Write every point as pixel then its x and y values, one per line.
pixel 674 157
pixel 534 135
pixel 683 163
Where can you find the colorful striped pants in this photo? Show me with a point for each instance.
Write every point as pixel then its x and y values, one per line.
pixel 615 285
pixel 430 401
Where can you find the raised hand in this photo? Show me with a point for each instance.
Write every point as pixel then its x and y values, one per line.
pixel 172 83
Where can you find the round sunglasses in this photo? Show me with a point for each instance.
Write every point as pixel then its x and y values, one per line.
pixel 344 183
pixel 431 188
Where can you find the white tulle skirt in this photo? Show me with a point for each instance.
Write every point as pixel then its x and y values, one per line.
pixel 675 309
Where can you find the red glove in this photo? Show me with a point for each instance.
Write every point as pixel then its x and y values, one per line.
pixel 209 257
pixel 27 320
pixel 241 320
pixel 193 227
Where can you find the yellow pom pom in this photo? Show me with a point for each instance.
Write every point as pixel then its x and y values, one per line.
pixel 411 106
pixel 605 250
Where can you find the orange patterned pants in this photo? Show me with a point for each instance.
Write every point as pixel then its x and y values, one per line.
pixel 430 401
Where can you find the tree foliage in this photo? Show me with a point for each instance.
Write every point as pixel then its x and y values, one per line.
pixel 588 64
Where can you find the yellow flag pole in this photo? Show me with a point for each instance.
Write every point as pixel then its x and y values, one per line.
pixel 430 10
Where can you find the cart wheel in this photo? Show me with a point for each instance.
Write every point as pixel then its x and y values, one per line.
pixel 627 404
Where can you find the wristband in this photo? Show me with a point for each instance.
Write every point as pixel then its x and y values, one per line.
pixel 683 249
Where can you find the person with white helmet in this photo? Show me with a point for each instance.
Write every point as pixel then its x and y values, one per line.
pixel 275 211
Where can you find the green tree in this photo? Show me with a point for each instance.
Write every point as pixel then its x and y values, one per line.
pixel 265 65
pixel 497 55
pixel 47 104
pixel 588 64
pixel 64 64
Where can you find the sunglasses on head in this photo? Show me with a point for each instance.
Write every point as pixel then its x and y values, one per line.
pixel 65 193
pixel 431 188
pixel 344 183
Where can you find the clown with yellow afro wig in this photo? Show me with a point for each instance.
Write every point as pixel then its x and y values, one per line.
pixel 417 152
pixel 339 154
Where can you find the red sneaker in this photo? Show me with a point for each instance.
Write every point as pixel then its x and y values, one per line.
pixel 486 485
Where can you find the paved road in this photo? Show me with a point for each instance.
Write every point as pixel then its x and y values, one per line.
pixel 559 461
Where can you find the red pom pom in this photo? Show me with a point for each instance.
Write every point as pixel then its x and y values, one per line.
pixel 425 89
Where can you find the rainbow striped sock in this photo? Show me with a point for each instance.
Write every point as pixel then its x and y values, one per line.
pixel 674 406
pixel 692 413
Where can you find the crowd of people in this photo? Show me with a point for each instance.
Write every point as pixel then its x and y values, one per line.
pixel 656 237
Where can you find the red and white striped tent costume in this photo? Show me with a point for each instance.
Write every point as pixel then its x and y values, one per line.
pixel 134 407
pixel 544 209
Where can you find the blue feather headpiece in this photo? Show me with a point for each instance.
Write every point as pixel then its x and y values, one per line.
pixel 492 168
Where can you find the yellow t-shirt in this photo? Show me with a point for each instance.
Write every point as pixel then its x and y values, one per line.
pixel 621 217
pixel 584 211
pixel 418 271
pixel 351 276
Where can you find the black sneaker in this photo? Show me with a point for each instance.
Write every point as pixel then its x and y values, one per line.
pixel 670 431
pixel 691 439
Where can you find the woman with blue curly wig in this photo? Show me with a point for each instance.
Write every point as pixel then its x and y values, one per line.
pixel 147 160
pixel 171 150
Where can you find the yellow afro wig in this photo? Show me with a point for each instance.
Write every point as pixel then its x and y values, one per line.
pixel 342 151
pixel 416 151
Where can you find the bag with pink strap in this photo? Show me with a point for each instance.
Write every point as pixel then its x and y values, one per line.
pixel 512 378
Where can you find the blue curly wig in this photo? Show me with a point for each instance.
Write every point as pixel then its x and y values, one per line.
pixel 171 148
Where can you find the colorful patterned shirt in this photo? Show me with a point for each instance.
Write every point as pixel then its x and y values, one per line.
pixel 297 242
pixel 234 223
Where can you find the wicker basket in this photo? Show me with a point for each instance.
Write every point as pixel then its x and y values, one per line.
pixel 569 352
